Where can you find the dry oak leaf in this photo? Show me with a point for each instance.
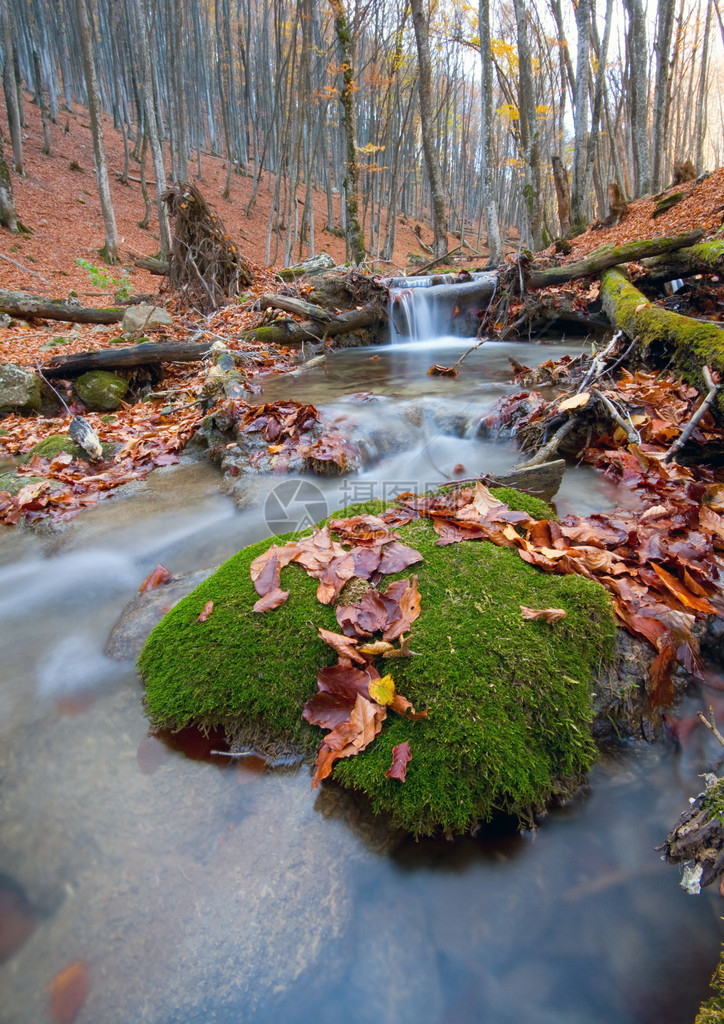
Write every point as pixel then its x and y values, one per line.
pixel 207 610
pixel 271 600
pixel 549 614
pixel 401 757
pixel 574 402
pixel 157 578
pixel 68 992
pixel 350 737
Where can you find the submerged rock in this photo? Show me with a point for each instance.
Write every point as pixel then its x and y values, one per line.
pixel 509 701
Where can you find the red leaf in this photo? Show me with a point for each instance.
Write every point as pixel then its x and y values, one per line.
pixel 401 757
pixel 403 707
pixel 343 645
pixel 208 609
pixel 157 578
pixel 661 693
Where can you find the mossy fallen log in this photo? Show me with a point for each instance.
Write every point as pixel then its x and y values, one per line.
pixel 609 256
pixel 27 306
pixel 686 344
pixel 121 358
pixel 705 258
pixel 289 332
pixel 508 700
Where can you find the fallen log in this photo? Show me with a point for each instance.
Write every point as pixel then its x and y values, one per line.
pixel 291 333
pixel 26 306
pixel 697 839
pixel 152 265
pixel 688 345
pixel 705 258
pixel 120 358
pixel 288 304
pixel 609 256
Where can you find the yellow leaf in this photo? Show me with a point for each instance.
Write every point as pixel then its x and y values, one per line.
pixel 383 690
pixel 575 401
pixel 378 647
pixel 641 305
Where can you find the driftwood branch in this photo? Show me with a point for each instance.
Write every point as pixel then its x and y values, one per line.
pixel 152 265
pixel 545 453
pixel 120 358
pixel 29 307
pixel 631 433
pixel 711 725
pixel 27 270
pixel 292 333
pixel 609 256
pixel 689 428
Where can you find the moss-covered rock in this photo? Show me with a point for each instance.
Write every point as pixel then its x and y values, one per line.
pixel 52 445
pixel 101 390
pixel 508 700
pixel 14 482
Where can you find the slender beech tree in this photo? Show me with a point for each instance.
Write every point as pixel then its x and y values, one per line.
pixel 638 90
pixel 665 16
pixel 10 87
pixel 8 216
pixel 529 137
pixel 353 231
pixel 427 129
pixel 110 250
pixel 490 206
pixel 580 111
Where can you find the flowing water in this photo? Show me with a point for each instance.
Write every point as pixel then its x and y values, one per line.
pixel 187 888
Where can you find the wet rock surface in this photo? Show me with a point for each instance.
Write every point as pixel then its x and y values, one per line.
pixel 20 389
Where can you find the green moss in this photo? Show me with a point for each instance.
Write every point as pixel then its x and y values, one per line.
pixel 508 699
pixel 13 483
pixel 687 344
pixel 712 1011
pixel 50 447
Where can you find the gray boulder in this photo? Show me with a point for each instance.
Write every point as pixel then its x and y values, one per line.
pixel 141 318
pixel 20 389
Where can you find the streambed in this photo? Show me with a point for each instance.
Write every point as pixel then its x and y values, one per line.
pixel 194 889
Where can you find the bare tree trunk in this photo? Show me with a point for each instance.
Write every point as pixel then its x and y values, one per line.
pixel 661 91
pixel 353 231
pixel 638 59
pixel 529 131
pixel 563 193
pixel 700 107
pixel 10 88
pixel 110 250
pixel 8 216
pixel 432 162
pixel 490 205
pixel 580 120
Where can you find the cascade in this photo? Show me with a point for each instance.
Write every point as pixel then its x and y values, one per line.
pixel 424 308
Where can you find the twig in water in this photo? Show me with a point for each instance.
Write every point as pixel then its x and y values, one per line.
pixel 710 724
pixel 689 429
pixel 543 454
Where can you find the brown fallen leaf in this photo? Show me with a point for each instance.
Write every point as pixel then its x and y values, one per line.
pixel 344 645
pixel 208 609
pixel 68 992
pixel 574 402
pixel 157 578
pixel 401 757
pixel 549 614
pixel 403 707
pixel 350 737
pixel 442 371
pixel 272 600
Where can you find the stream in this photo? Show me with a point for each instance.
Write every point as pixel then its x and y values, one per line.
pixel 195 889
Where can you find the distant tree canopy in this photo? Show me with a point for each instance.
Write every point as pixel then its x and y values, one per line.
pixel 325 94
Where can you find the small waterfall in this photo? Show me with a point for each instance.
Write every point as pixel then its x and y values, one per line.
pixel 425 308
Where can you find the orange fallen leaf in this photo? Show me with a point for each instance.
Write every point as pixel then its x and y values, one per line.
pixel 157 578
pixel 68 992
pixel 208 609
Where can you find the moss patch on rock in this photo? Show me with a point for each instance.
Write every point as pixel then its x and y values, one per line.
pixel 101 390
pixel 712 1011
pixel 52 445
pixel 509 700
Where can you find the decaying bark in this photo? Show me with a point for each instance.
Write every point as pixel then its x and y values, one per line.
pixel 26 306
pixel 609 256
pixel 152 265
pixel 291 333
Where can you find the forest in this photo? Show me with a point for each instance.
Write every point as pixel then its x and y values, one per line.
pixel 361 511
